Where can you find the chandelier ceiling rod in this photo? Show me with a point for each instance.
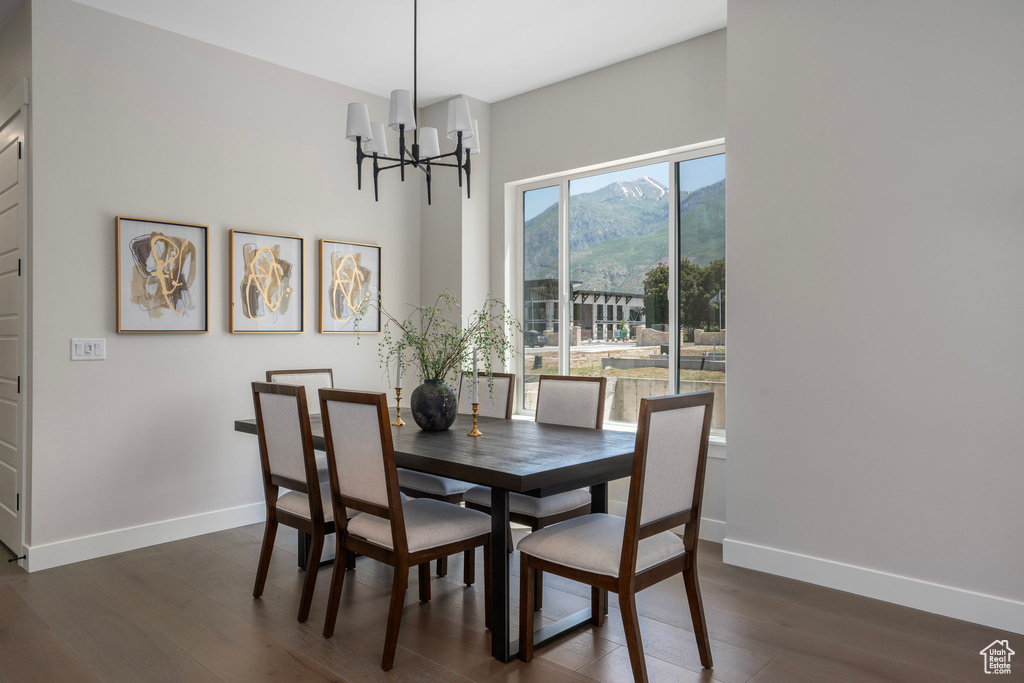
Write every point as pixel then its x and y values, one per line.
pixel 415 69
pixel 462 128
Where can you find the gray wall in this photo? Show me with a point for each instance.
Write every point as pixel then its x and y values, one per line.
pixel 441 239
pixel 136 121
pixel 16 49
pixel 874 167
pixel 454 242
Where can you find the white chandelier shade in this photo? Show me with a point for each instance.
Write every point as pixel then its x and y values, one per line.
pixel 473 144
pixel 402 111
pixel 378 144
pixel 459 119
pixel 358 125
pixel 429 145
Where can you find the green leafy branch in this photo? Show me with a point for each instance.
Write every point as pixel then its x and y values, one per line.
pixel 439 346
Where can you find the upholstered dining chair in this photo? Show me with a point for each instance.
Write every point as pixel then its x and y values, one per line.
pixel 496 403
pixel 363 477
pixel 286 456
pixel 626 555
pixel 312 379
pixel 561 400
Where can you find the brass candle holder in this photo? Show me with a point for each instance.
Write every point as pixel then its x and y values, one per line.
pixel 398 408
pixel 475 432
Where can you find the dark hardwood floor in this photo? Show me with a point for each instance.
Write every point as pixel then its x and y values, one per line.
pixel 184 611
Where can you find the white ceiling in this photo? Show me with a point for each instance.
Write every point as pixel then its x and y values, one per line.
pixel 488 49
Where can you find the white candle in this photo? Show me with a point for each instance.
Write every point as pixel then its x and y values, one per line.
pixel 398 383
pixel 476 381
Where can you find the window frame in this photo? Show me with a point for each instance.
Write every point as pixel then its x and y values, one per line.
pixel 514 279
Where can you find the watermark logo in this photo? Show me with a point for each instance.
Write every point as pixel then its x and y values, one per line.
pixel 997 657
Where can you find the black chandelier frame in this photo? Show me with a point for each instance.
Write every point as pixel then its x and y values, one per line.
pixel 411 157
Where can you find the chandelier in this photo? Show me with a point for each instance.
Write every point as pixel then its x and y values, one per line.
pixel 425 154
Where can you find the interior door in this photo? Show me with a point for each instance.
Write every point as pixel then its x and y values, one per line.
pixel 12 328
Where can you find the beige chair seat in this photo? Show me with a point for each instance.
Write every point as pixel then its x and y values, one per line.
pixel 298 504
pixel 428 523
pixel 529 505
pixel 431 483
pixel 593 543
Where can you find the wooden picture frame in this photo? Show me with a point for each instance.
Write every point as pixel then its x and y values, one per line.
pixel 267 272
pixel 162 276
pixel 349 287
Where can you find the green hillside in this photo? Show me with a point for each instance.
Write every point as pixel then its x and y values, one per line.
pixel 620 232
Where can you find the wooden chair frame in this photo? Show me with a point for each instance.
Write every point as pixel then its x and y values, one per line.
pixel 399 557
pixel 317 527
pixel 629 582
pixel 537 523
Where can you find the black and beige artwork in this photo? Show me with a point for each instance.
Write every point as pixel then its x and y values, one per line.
pixel 161 276
pixel 349 287
pixel 266 282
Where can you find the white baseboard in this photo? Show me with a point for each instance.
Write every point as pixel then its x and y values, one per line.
pixel 989 610
pixel 710 529
pixel 59 553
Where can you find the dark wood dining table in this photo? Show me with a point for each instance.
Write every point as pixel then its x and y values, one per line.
pixel 517 456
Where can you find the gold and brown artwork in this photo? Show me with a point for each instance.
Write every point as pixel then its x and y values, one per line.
pixel 350 289
pixel 265 288
pixel 164 273
pixel 161 276
pixel 266 282
pixel 349 286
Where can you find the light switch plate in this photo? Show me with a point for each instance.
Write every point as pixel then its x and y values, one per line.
pixel 88 349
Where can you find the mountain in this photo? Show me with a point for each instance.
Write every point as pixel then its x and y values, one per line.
pixel 619 232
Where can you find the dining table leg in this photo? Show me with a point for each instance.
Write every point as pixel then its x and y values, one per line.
pixel 501 626
pixel 306 540
pixel 599 503
pixel 303 550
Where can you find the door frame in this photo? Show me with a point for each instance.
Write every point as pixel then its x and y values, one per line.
pixel 14 104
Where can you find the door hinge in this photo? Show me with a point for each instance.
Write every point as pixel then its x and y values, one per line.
pixel 19 267
pixel 19 384
pixel 19 149
pixel 17 504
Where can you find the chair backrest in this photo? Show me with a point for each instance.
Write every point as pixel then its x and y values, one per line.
pixel 571 401
pixel 286 441
pixel 492 404
pixel 667 483
pixel 313 380
pixel 361 457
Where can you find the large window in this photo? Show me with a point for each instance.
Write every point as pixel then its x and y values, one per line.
pixel 596 253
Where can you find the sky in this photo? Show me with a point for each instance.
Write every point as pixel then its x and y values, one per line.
pixel 693 175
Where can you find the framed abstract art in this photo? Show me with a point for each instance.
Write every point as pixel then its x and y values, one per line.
pixel 162 276
pixel 349 284
pixel 266 282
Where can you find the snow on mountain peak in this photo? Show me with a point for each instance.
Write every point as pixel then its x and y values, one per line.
pixel 642 188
